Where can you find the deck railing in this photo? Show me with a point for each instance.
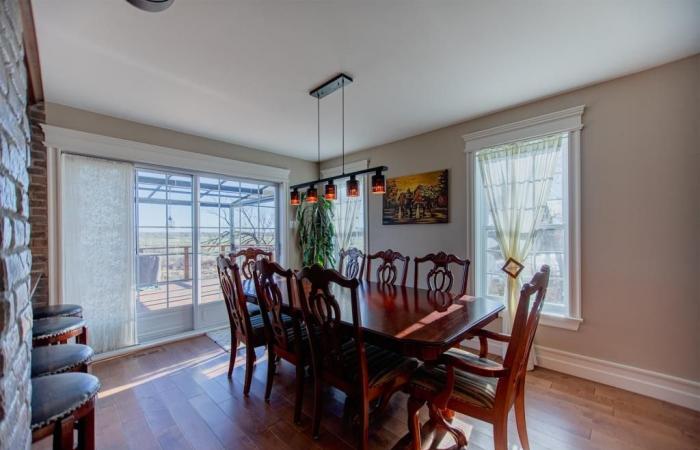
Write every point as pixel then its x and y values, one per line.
pixel 187 252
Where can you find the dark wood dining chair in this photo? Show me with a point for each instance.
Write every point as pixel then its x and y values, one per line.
pixel 250 256
pixel 244 328
pixel 440 277
pixel 387 269
pixel 285 335
pixel 479 387
pixel 340 357
pixel 352 263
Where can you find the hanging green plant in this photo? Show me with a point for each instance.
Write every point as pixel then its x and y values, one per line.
pixel 315 232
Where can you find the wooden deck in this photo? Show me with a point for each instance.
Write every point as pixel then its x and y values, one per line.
pixel 178 397
pixel 180 294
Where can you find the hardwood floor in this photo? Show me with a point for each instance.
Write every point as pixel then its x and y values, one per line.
pixel 178 397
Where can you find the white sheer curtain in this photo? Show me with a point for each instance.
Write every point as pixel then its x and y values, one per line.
pixel 97 237
pixel 517 179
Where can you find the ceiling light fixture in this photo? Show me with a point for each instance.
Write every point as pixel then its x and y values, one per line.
pixel 151 5
pixel 378 183
pixel 352 185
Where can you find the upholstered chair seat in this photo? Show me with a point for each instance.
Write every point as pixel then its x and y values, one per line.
pixel 64 310
pixel 382 365
pixel 258 324
pixel 469 388
pixel 253 309
pixel 56 359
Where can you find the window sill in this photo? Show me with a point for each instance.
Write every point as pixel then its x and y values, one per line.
pixel 567 323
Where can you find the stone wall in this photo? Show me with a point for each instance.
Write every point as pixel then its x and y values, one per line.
pixel 15 255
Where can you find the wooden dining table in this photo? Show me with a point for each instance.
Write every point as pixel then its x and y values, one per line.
pixel 413 321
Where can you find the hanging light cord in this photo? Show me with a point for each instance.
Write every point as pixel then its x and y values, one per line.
pixel 318 130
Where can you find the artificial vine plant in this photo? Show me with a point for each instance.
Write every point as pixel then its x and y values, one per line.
pixel 315 232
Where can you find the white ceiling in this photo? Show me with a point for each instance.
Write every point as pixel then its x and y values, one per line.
pixel 240 71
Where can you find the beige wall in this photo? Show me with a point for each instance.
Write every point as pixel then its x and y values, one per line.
pixel 640 180
pixel 77 119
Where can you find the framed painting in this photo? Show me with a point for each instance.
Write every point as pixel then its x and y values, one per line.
pixel 413 199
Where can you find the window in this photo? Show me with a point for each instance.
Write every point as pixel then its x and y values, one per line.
pixel 556 235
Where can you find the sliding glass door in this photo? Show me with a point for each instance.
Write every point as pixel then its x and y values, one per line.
pixel 233 214
pixel 183 222
pixel 165 272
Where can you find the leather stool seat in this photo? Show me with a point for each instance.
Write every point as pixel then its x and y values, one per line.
pixel 65 310
pixel 59 358
pixel 57 396
pixel 55 326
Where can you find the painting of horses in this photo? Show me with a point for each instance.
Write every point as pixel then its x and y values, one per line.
pixel 420 198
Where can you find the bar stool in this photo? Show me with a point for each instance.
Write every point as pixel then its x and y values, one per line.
pixel 51 360
pixel 57 330
pixel 64 310
pixel 62 403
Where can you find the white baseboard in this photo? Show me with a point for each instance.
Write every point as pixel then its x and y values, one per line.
pixel 672 389
pixel 678 391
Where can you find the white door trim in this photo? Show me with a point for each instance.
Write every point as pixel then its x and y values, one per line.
pixel 90 144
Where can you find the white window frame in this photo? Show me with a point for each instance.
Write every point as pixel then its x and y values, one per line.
pixel 59 139
pixel 349 168
pixel 565 121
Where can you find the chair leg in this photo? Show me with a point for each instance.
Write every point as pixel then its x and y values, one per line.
pixel 249 366
pixel 86 431
pixel 63 434
pixel 364 424
pixel 520 416
pixel 414 406
pixel 82 338
pixel 233 352
pixel 318 405
pixel 271 363
pixel 500 433
pixel 299 394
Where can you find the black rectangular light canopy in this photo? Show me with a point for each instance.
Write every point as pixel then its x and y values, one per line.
pixel 330 86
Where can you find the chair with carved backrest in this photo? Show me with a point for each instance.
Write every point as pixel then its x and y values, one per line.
pixel 440 277
pixel 479 387
pixel 285 336
pixel 387 270
pixel 340 357
pixel 352 263
pixel 250 256
pixel 244 328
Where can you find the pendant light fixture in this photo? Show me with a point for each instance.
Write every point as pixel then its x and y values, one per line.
pixel 352 185
pixel 295 198
pixel 378 183
pixel 330 191
pixel 311 194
